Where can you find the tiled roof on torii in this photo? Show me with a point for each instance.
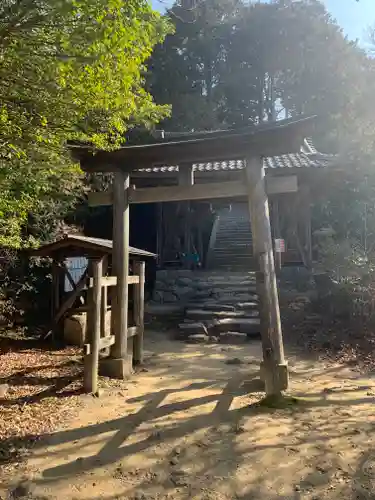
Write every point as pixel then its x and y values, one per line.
pixel 308 157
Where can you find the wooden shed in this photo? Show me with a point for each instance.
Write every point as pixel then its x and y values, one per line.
pixel 88 293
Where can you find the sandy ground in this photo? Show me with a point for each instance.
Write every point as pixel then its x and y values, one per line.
pixel 189 426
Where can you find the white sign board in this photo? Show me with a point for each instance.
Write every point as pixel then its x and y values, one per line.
pixel 279 245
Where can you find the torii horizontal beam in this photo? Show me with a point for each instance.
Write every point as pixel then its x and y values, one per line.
pixel 209 191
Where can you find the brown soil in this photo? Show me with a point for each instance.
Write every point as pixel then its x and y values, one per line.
pixel 192 425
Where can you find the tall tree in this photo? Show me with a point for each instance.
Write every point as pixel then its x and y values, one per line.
pixel 238 63
pixel 69 70
pixel 186 69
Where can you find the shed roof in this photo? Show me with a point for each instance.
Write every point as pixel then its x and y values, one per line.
pixel 73 244
pixel 267 139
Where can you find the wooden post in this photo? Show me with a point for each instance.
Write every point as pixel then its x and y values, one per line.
pixel 55 285
pixel 104 304
pixel 274 368
pixel 186 178
pixel 139 311
pixel 276 231
pixel 103 314
pixel 306 220
pixel 159 234
pixel 91 362
pixel 120 366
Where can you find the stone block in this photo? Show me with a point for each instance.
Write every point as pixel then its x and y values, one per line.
pixel 75 329
pixel 162 275
pixel 197 339
pixel 184 292
pixel 169 297
pixel 193 328
pixel 249 326
pixel 120 368
pixel 207 314
pixel 185 282
pixel 272 374
pixel 158 296
pixel 161 286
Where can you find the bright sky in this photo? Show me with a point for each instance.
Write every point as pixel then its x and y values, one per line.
pixel 355 17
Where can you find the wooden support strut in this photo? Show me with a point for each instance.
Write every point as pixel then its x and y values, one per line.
pixel 91 360
pixel 274 368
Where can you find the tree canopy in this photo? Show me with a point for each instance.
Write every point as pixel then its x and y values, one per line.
pixel 69 70
pixel 237 63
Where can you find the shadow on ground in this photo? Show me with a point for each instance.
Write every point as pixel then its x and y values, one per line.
pixel 193 425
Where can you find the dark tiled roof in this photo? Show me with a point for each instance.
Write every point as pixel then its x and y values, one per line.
pixel 308 157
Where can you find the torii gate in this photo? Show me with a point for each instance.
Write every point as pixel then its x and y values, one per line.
pixel 251 144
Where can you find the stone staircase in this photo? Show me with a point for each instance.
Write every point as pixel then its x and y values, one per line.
pixel 232 245
pixel 209 306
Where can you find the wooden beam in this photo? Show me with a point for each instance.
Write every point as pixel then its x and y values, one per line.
pixel 231 189
pixel 274 369
pixel 104 343
pixel 108 281
pixel 91 361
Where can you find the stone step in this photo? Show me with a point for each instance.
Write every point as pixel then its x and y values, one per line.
pixel 247 279
pixel 234 287
pixel 233 291
pixel 233 258
pixel 194 328
pixel 211 306
pixel 239 267
pixel 216 306
pixel 243 266
pixel 164 309
pixel 207 314
pixel 222 328
pixel 236 254
pixel 236 299
pixel 241 325
pixel 230 242
pixel 240 235
pixel 232 250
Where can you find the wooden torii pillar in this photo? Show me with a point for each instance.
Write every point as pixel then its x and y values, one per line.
pixel 186 178
pixel 274 370
pixel 119 364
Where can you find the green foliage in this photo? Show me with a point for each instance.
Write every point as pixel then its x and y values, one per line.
pixel 239 63
pixel 69 70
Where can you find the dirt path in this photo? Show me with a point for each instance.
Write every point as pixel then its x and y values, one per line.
pixel 189 427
